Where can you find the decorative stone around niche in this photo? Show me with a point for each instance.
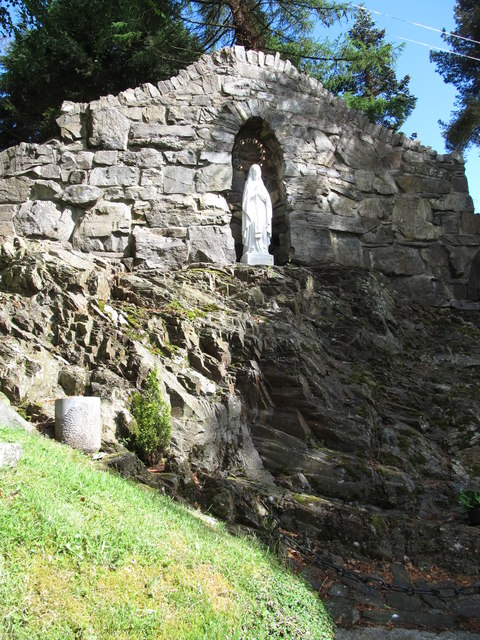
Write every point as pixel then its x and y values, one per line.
pixel 78 422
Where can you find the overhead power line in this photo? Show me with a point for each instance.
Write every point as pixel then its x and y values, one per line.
pixel 415 24
pixel 431 46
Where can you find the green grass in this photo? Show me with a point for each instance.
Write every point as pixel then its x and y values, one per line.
pixel 86 555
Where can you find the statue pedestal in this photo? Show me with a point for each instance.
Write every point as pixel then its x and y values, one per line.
pixel 257 258
pixel 78 422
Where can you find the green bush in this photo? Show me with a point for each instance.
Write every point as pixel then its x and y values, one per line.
pixel 153 429
pixel 469 499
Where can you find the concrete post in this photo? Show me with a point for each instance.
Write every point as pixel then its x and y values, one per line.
pixel 78 422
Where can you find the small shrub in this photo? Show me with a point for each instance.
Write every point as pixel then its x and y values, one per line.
pixel 469 499
pixel 151 434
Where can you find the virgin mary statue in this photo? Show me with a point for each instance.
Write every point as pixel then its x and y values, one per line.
pixel 256 219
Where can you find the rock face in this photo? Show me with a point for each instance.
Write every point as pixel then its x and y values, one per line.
pixel 155 175
pixel 357 410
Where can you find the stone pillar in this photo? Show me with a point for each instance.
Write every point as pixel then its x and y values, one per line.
pixel 78 422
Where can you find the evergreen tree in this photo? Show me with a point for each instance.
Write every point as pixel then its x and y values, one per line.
pixel 259 24
pixel 71 50
pixel 462 69
pixel 360 66
pixel 364 74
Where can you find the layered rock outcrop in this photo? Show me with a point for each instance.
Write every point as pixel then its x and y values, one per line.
pixel 155 174
pixel 357 411
pixel 312 381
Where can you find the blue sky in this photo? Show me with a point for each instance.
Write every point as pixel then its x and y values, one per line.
pixel 435 99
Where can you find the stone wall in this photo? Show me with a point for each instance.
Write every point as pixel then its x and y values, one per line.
pixel 155 175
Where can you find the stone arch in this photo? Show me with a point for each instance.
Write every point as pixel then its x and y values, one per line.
pixel 256 143
pixel 473 284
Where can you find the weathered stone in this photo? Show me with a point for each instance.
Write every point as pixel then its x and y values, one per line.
pixel 82 194
pixel 73 380
pixel 154 113
pixel 412 218
pixel 152 249
pixel 107 158
pixel 47 171
pixel 214 178
pixel 114 176
pixel 149 158
pixel 109 129
pixel 357 153
pixel 422 184
pixel 44 219
pixel 179 180
pixel 454 202
pixel 340 205
pixel 46 190
pixel 11 418
pixel 7 215
pixel 104 219
pixel 211 244
pixel 396 260
pixel 152 178
pixel 162 136
pixel 14 189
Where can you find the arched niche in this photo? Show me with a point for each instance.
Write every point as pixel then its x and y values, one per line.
pixel 473 285
pixel 256 143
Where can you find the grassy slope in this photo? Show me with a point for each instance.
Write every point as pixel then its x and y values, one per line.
pixel 87 555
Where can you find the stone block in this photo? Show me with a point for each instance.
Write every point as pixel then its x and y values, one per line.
pixel 71 126
pixel 375 208
pixel 211 244
pixel 14 189
pixel 109 129
pixel 179 180
pixel 216 157
pixel 470 223
pixel 103 220
pixel 425 185
pixel 396 260
pixel 152 178
pixel 348 250
pixel 107 158
pixel 114 176
pixel 153 249
pixel 460 202
pixel 44 219
pixel 160 135
pixel 172 210
pixel 325 149
pixel 311 245
pixel 154 113
pixel 82 194
pixel 341 205
pixel 212 201
pixel 412 218
pixel 238 88
pixel 148 158
pixel 187 157
pixel 214 178
pixel 46 190
pixel 357 153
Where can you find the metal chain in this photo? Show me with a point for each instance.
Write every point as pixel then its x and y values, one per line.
pixel 374 582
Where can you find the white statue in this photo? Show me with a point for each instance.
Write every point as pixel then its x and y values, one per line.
pixel 256 219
